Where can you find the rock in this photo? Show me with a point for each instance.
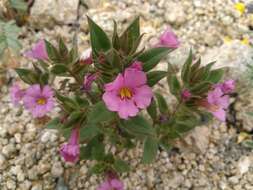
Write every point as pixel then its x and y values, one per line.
pixel 48 136
pixel 233 55
pixel 43 168
pixel 175 181
pixel 92 3
pixel 57 169
pixel 11 184
pixel 3 132
pixel 176 14
pixel 243 164
pixel 8 150
pixel 25 185
pixel 52 12
pixel 37 187
pixel 3 162
pixel 197 140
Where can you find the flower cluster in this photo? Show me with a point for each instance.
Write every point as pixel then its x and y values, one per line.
pixel 103 92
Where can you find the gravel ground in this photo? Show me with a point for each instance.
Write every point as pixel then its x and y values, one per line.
pixel 208 159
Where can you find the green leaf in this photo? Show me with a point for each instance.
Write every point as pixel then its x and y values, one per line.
pixel 52 52
pixel 98 168
pixel 162 104
pixel 44 78
pixel 73 118
pixel 121 166
pixel 164 144
pixel 154 77
pixel 152 111
pixel 19 5
pixel 200 88
pixel 150 150
pixel 138 126
pixel 99 113
pixel 115 37
pixel 63 50
pixel 9 37
pixel 215 76
pixel 99 39
pixel 249 113
pixel 174 85
pixel 68 103
pixel 130 35
pixel 59 69
pixel 86 152
pixel 54 123
pixel 98 151
pixel 183 127
pixel 248 144
pixel 185 73
pixel 88 132
pixel 27 76
pixel 152 57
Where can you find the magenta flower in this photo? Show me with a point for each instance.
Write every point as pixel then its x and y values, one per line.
pixel 111 184
pixel 168 39
pixel 227 87
pixel 86 57
pixel 128 93
pixel 88 80
pixel 136 65
pixel 38 51
pixel 186 95
pixel 17 94
pixel 70 151
pixel 39 100
pixel 217 103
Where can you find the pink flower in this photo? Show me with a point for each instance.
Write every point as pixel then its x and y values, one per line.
pixel 217 103
pixel 70 151
pixel 17 94
pixel 39 100
pixel 186 95
pixel 111 184
pixel 227 87
pixel 136 65
pixel 168 39
pixel 86 57
pixel 128 93
pixel 38 51
pixel 88 79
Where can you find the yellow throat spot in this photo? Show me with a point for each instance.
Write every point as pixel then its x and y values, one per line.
pixel 41 101
pixel 125 93
pixel 245 41
pixel 240 7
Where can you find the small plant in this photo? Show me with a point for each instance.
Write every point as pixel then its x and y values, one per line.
pixel 107 98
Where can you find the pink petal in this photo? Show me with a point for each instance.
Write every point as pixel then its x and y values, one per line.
pixel 143 96
pixel 127 108
pixel 116 84
pixel 134 77
pixel 105 186
pixel 168 39
pixel 220 114
pixel 117 184
pixel 111 100
pixel 214 95
pixel 136 65
pixel 47 91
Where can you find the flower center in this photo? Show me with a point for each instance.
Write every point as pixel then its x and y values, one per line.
pixel 125 93
pixel 41 101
